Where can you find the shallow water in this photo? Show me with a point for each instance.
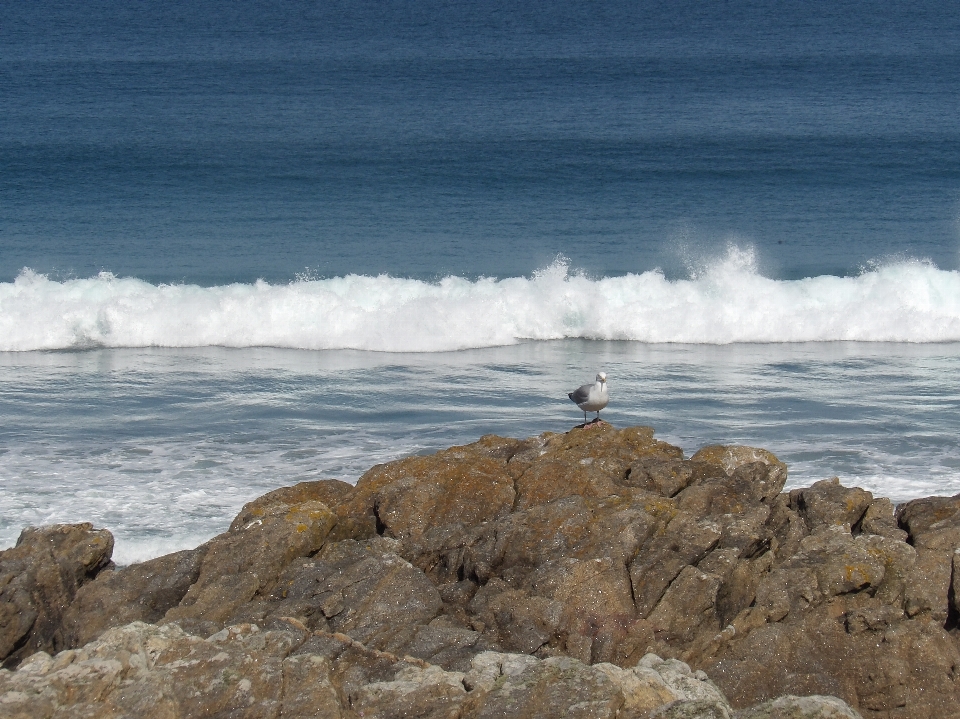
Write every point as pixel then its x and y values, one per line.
pixel 163 446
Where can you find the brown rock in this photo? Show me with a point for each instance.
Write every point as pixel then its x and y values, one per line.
pixel 828 503
pixel 687 608
pixel 245 563
pixel 759 468
pixel 403 499
pixel 330 492
pixel 930 515
pixel 832 563
pixel 879 519
pixel 588 462
pixel 684 541
pixel 140 592
pixel 361 589
pixel 933 524
pixel 39 577
pixel 665 477
pixel 904 668
pixel 597 546
pixel 787 527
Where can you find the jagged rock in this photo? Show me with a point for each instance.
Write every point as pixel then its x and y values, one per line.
pixel 813 652
pixel 879 519
pixel 139 592
pixel 828 503
pixel 591 462
pixel 787 527
pixel 832 563
pixel 243 564
pixel 593 547
pixel 684 541
pixel 406 497
pixel 667 477
pixel 933 525
pixel 330 492
pixel 792 707
pixel 687 608
pixel 160 671
pixel 39 577
pixel 760 469
pixel 358 588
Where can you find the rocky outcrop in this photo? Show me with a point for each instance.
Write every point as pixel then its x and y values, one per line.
pixel 595 548
pixel 39 578
pixel 161 671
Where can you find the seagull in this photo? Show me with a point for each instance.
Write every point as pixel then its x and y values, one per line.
pixel 592 397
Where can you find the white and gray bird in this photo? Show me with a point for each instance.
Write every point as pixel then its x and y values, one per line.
pixel 591 397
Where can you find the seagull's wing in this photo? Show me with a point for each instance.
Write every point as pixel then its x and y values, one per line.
pixel 581 395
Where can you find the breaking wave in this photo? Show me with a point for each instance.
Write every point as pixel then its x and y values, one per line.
pixel 905 301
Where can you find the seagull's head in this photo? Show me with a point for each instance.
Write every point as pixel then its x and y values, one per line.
pixel 602 378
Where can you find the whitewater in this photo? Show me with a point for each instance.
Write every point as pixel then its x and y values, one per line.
pixel 728 302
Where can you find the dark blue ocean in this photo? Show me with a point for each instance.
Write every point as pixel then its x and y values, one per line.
pixel 246 244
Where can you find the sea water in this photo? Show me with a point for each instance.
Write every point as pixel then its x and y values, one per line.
pixel 244 245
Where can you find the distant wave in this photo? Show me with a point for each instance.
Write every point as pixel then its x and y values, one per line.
pixel 908 301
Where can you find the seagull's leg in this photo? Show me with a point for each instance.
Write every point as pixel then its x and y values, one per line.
pixel 584 416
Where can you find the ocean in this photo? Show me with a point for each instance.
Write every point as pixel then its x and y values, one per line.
pixel 246 244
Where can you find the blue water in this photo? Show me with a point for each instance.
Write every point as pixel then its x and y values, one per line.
pixel 224 142
pixel 495 196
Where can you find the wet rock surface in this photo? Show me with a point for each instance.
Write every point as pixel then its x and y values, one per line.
pixel 580 574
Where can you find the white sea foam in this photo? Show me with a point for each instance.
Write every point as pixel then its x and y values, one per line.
pixel 905 301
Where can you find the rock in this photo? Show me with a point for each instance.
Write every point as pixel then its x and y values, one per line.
pixel 358 588
pixel 330 492
pixel 160 671
pixel 589 462
pixel 684 541
pixel 139 592
pixel 666 477
pixel 654 683
pixel 757 467
pixel 458 485
pixel 39 577
pixel 508 574
pixel 692 710
pixel 933 525
pixel 828 503
pixel 244 564
pixel 830 620
pixel 787 527
pixel 879 519
pixel 687 608
pixel 792 707
pixel 558 685
pixel 832 563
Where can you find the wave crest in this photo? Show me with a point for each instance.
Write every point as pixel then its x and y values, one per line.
pixel 904 301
